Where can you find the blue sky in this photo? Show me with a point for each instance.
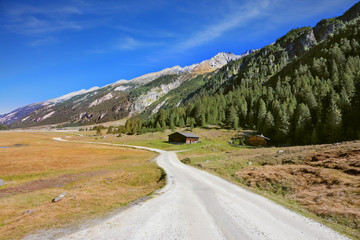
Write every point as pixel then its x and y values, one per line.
pixel 51 48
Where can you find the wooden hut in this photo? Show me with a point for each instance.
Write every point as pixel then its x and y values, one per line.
pixel 258 140
pixel 179 137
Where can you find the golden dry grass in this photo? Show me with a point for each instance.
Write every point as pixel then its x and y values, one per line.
pixel 96 178
pixel 321 181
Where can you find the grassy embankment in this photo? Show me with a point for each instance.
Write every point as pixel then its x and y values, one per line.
pixel 319 181
pixel 96 179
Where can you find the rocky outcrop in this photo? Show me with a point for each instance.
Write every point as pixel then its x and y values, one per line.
pixel 302 43
pixel 156 93
pixel 325 27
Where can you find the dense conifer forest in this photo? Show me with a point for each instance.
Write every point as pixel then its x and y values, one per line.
pixel 294 93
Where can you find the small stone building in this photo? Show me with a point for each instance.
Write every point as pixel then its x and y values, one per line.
pixel 179 137
pixel 258 140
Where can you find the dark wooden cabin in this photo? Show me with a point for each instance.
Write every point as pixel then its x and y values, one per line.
pixel 179 137
pixel 258 140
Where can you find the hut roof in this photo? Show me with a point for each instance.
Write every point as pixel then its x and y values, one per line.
pixel 262 136
pixel 189 135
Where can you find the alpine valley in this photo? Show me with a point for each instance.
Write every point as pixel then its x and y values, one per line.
pixel 303 88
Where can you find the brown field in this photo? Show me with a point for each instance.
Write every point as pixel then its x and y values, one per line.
pixel 96 179
pixel 319 181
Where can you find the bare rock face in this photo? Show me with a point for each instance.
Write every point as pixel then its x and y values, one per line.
pixel 113 101
pixel 302 43
pixel 147 99
pixel 324 28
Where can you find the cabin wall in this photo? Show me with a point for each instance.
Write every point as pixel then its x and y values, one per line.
pixel 257 141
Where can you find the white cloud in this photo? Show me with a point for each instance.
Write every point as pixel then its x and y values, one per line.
pixel 124 44
pixel 233 19
pixel 30 20
pixel 127 43
pixel 42 42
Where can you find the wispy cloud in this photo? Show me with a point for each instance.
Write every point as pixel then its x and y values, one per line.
pixel 125 44
pixel 239 16
pixel 42 42
pixel 29 20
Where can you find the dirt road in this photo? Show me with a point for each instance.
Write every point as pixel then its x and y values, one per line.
pixel 198 205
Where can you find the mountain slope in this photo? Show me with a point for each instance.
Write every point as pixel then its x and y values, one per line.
pixel 296 91
pixel 225 73
pixel 113 101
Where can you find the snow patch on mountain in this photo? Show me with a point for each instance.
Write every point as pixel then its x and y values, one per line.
pixel 71 95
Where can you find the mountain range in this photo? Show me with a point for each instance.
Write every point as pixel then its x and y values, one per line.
pixel 113 101
pixel 277 70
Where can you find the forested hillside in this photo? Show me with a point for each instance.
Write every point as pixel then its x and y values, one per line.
pixel 302 89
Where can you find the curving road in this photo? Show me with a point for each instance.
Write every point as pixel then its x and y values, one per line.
pixel 198 205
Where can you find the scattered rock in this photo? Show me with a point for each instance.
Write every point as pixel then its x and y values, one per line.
pixel 58 198
pixel 1 182
pixel 186 161
pixel 280 152
pixel 199 165
pixel 250 163
pixel 29 211
pixel 213 149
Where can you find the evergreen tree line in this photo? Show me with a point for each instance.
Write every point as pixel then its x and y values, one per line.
pixel 314 99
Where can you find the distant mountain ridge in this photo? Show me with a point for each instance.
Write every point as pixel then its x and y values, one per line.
pixel 177 86
pixel 46 112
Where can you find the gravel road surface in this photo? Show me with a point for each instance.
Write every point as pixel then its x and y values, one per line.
pixel 198 205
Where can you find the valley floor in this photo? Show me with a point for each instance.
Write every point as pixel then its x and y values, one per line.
pixel 319 181
pixel 95 180
pixel 198 205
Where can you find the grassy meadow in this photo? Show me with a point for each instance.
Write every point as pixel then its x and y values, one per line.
pixel 96 179
pixel 319 181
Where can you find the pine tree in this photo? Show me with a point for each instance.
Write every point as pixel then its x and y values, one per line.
pixel 332 121
pixel 269 124
pixel 172 125
pixel 232 119
pixel 302 124
pixel 110 130
pixel 163 124
pixel 261 115
pixel 98 132
pixel 158 126
pixel 181 122
pixel 243 112
pixel 282 125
